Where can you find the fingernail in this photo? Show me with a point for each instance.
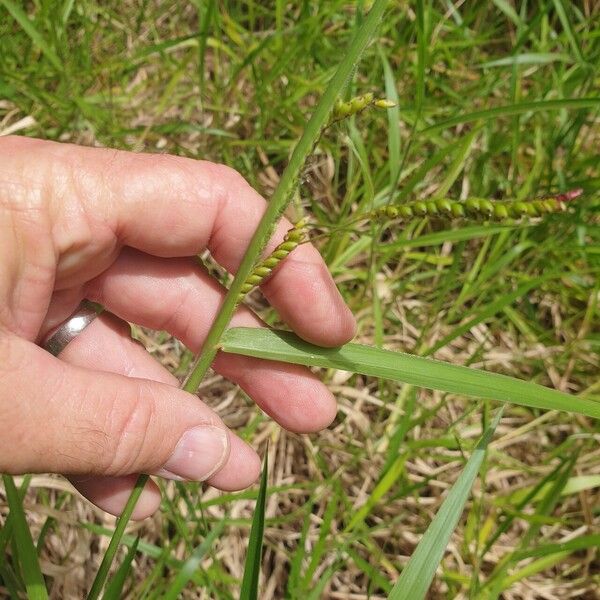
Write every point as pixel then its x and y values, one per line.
pixel 200 452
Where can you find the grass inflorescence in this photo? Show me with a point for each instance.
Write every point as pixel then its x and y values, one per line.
pixel 482 208
pixel 493 100
pixel 295 236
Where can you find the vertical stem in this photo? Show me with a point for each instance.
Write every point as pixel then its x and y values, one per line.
pixel 115 540
pixel 281 198
pixel 284 191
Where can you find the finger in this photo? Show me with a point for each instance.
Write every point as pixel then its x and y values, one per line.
pixel 106 345
pixel 170 206
pixel 111 494
pixel 178 296
pixel 66 419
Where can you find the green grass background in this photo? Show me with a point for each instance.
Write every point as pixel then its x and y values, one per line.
pixel 495 99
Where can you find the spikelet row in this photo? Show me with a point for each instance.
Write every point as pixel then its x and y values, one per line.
pixel 472 207
pixel 343 110
pixel 293 238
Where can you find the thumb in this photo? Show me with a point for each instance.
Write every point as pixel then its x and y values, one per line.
pixel 61 418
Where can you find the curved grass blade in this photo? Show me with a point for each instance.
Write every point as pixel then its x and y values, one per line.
pixel 513 109
pixel 249 589
pixel 527 58
pixel 191 565
pixel 28 558
pixel 416 577
pixel 28 27
pixel 398 366
pixel 570 32
pixel 115 540
pixel 383 486
pixel 114 590
pixel 583 542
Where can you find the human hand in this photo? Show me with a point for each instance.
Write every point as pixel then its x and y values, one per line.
pixel 119 228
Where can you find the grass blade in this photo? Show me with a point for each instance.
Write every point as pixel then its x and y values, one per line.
pixel 393 115
pixel 582 542
pixel 416 577
pixel 497 581
pixel 192 564
pixel 513 109
pixel 284 191
pixel 398 366
pixel 490 310
pixel 114 590
pixel 276 206
pixel 384 485
pixel 115 540
pixel 28 27
pixel 564 19
pixel 249 589
pixel 319 548
pixel 28 559
pixel 527 58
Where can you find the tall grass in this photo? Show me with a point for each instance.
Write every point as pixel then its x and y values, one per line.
pixel 495 101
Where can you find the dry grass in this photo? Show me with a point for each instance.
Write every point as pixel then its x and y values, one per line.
pixel 241 117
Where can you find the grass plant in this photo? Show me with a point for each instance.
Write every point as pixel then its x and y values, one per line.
pixel 440 218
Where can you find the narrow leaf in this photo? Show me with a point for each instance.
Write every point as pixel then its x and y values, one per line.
pixel 514 109
pixel 28 558
pixel 192 564
pixel 28 27
pixel 378 492
pixel 115 540
pixel 416 577
pixel 114 590
pixel 398 366
pixel 393 115
pixel 527 58
pixel 564 19
pixel 249 590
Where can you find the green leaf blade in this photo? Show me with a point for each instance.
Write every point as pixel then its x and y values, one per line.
pixel 416 577
pixel 29 28
pixel 114 590
pixel 192 564
pixel 513 109
pixel 28 558
pixel 249 589
pixel 398 366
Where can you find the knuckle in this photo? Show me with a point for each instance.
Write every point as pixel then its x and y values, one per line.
pixel 127 424
pixel 224 175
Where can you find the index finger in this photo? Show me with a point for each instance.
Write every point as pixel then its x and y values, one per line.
pixel 172 206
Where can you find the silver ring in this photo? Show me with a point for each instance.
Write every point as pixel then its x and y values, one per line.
pixel 68 330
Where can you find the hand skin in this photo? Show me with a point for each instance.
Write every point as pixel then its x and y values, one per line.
pixel 119 228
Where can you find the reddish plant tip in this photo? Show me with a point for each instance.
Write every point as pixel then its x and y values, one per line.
pixel 570 195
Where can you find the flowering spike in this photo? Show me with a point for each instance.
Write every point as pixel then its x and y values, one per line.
pixel 498 210
pixel 570 195
pixel 343 110
pixel 292 239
